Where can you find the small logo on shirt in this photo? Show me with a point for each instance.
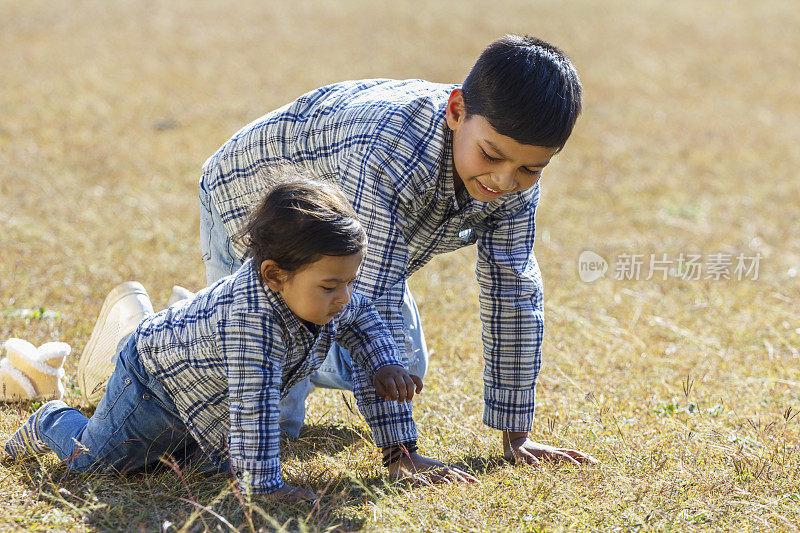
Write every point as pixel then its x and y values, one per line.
pixel 591 266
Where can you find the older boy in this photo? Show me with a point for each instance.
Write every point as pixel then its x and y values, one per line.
pixel 429 168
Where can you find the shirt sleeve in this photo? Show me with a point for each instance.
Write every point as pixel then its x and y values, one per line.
pixel 362 331
pixel 368 177
pixel 371 345
pixel 512 315
pixel 254 379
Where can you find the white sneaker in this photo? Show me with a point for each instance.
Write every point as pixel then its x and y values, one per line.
pixel 178 294
pixel 124 308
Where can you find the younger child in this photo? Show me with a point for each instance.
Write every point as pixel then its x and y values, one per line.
pixel 202 379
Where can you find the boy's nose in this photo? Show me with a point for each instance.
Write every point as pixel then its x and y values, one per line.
pixel 504 182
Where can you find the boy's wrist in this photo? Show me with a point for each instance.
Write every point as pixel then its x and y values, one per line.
pixel 511 436
pixel 395 452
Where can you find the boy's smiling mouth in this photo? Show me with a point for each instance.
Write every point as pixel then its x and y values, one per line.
pixel 489 190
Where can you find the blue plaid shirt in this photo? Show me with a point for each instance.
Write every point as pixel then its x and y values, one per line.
pixel 386 143
pixel 228 355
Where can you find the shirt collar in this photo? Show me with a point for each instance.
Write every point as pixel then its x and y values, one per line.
pixel 445 185
pixel 445 188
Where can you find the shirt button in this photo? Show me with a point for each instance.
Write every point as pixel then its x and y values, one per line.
pixel 145 396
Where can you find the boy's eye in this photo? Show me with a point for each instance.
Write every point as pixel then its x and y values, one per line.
pixel 488 157
pixel 530 171
pixel 328 289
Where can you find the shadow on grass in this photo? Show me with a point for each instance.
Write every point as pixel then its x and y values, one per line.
pixel 322 439
pixel 166 500
pixel 479 465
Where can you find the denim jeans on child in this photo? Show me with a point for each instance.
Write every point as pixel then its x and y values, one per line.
pixel 337 370
pixel 135 424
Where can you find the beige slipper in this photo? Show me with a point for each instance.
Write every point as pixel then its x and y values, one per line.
pixel 31 373
pixel 123 309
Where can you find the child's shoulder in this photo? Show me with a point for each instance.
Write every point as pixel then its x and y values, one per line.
pixel 379 99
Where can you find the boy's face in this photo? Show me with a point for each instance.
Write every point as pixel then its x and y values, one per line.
pixel 316 292
pixel 486 163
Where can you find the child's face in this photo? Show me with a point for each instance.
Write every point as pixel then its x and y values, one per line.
pixel 319 291
pixel 488 164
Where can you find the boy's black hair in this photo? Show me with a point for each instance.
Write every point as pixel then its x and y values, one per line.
pixel 526 89
pixel 299 220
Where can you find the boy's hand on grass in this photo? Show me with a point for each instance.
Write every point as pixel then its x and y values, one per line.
pixel 425 471
pixel 517 447
pixel 394 383
pixel 292 495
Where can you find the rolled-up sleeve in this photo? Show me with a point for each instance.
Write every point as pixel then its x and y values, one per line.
pixel 363 332
pixel 512 314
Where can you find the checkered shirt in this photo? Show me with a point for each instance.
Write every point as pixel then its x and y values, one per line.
pixel 386 143
pixel 227 356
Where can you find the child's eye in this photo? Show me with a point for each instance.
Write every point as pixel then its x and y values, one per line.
pixel 488 157
pixel 530 171
pixel 328 289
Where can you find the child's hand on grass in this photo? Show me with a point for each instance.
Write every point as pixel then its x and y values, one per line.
pixel 425 471
pixel 292 495
pixel 394 383
pixel 517 447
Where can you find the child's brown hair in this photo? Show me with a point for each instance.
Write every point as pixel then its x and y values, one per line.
pixel 299 220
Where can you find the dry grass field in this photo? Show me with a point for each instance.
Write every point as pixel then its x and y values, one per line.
pixel 687 390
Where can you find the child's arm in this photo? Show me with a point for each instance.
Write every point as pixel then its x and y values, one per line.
pixel 254 352
pixel 372 347
pixel 370 343
pixel 513 326
pixel 512 314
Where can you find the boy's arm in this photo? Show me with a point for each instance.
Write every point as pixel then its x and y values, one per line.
pixel 513 326
pixel 254 379
pixel 371 345
pixel 512 314
pixel 362 331
pixel 369 176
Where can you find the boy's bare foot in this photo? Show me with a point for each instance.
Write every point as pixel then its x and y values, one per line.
pixel 293 495
pixel 425 471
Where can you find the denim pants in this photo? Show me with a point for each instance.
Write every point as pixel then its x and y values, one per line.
pixel 336 371
pixel 135 424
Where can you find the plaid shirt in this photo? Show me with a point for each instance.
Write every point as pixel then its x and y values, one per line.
pixel 386 143
pixel 227 356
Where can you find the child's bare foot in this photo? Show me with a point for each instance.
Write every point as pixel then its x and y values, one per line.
pixel 292 495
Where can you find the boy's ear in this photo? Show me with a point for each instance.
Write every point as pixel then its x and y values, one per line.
pixel 273 275
pixel 456 110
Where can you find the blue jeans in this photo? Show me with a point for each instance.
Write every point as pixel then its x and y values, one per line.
pixel 336 371
pixel 135 423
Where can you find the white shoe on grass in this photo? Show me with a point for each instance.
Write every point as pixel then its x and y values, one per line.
pixel 124 308
pixel 179 293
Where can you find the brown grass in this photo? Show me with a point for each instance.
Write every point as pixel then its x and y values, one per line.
pixel 690 142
